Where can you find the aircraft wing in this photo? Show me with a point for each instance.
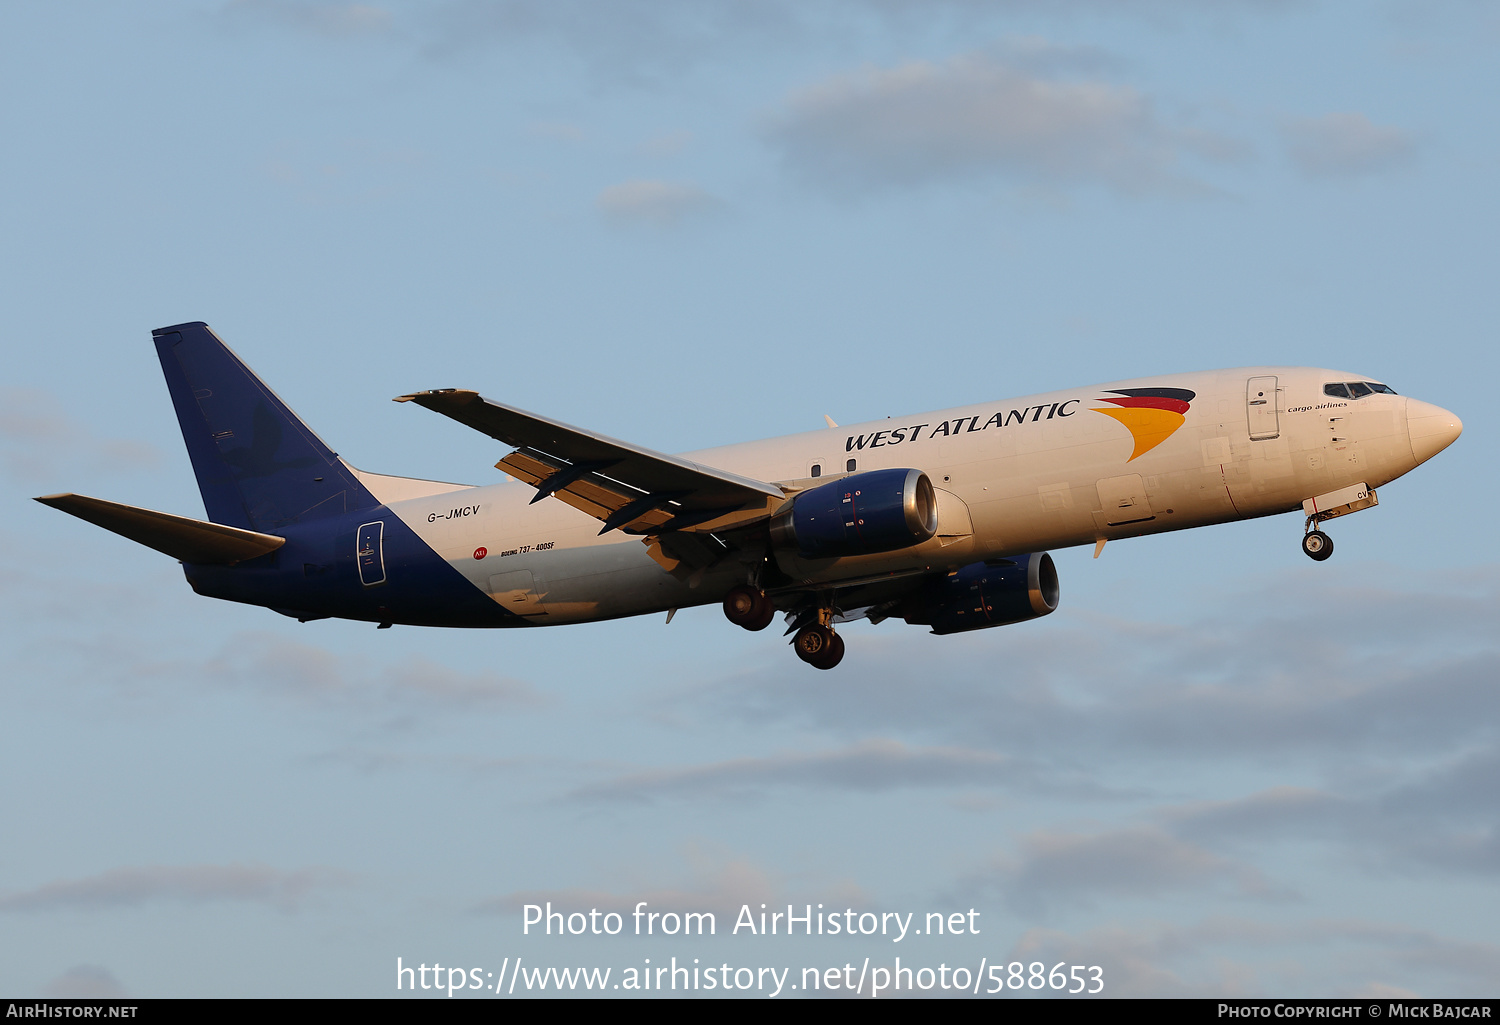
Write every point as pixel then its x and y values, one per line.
pixel 626 486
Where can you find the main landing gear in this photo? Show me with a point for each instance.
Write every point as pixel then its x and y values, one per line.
pixel 818 646
pixel 749 607
pixel 815 642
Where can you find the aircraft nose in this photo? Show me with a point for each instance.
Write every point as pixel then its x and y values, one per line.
pixel 1432 428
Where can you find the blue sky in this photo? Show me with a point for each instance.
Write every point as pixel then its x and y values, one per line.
pixel 1218 769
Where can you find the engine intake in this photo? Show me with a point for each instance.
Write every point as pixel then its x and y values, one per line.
pixel 983 594
pixel 874 511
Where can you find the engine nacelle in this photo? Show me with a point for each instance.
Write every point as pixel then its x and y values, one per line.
pixel 990 593
pixel 874 511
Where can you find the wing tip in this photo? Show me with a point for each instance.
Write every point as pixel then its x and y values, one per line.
pixel 433 393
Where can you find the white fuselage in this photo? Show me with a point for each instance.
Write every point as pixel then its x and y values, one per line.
pixel 1015 476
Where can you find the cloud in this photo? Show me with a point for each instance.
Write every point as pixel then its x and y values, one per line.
pixel 344 172
pixel 265 661
pixel 666 144
pixel 38 442
pixel 1270 813
pixel 358 690
pixel 1392 671
pixel 1131 961
pixel 557 131
pixel 658 203
pixel 1185 847
pixel 1455 789
pixel 1374 736
pixel 979 116
pixel 1345 145
pixel 642 41
pixel 193 884
pixel 717 882
pixel 722 892
pixel 1441 818
pixel 869 766
pixel 1055 867
pixel 1239 957
pixel 633 41
pixel 331 20
pixel 85 982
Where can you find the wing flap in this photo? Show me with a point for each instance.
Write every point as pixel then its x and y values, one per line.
pixel 181 537
pixel 593 494
pixel 526 467
pixel 626 486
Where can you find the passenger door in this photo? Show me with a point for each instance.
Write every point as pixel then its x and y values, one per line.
pixel 1260 408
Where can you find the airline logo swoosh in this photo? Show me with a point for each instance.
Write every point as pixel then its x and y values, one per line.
pixel 1151 415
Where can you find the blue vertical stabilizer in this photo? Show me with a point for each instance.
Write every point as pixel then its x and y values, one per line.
pixel 258 465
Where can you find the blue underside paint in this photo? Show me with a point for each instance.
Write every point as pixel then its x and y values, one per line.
pixel 260 467
pixel 316 574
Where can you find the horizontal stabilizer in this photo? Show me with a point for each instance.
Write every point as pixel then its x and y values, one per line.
pixel 181 537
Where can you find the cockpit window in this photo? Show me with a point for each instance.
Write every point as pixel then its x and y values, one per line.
pixel 1357 389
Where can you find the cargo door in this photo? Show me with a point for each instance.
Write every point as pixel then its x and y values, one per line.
pixel 1260 408
pixel 517 591
pixel 1123 500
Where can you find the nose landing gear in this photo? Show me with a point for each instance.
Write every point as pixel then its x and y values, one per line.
pixel 1355 497
pixel 1317 544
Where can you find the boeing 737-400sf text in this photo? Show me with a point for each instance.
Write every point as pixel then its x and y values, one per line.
pixel 941 519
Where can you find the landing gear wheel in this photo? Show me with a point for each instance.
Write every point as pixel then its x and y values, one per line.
pixel 767 613
pixel 749 608
pixel 1317 545
pixel 832 656
pixel 818 646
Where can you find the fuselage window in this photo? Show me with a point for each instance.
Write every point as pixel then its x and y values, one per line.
pixel 817 470
pixel 1338 391
pixel 851 466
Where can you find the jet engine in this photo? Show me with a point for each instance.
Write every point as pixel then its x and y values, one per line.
pixel 874 511
pixel 990 593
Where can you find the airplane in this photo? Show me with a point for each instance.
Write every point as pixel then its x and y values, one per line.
pixel 941 519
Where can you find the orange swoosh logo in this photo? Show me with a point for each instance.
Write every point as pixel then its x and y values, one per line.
pixel 1151 415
